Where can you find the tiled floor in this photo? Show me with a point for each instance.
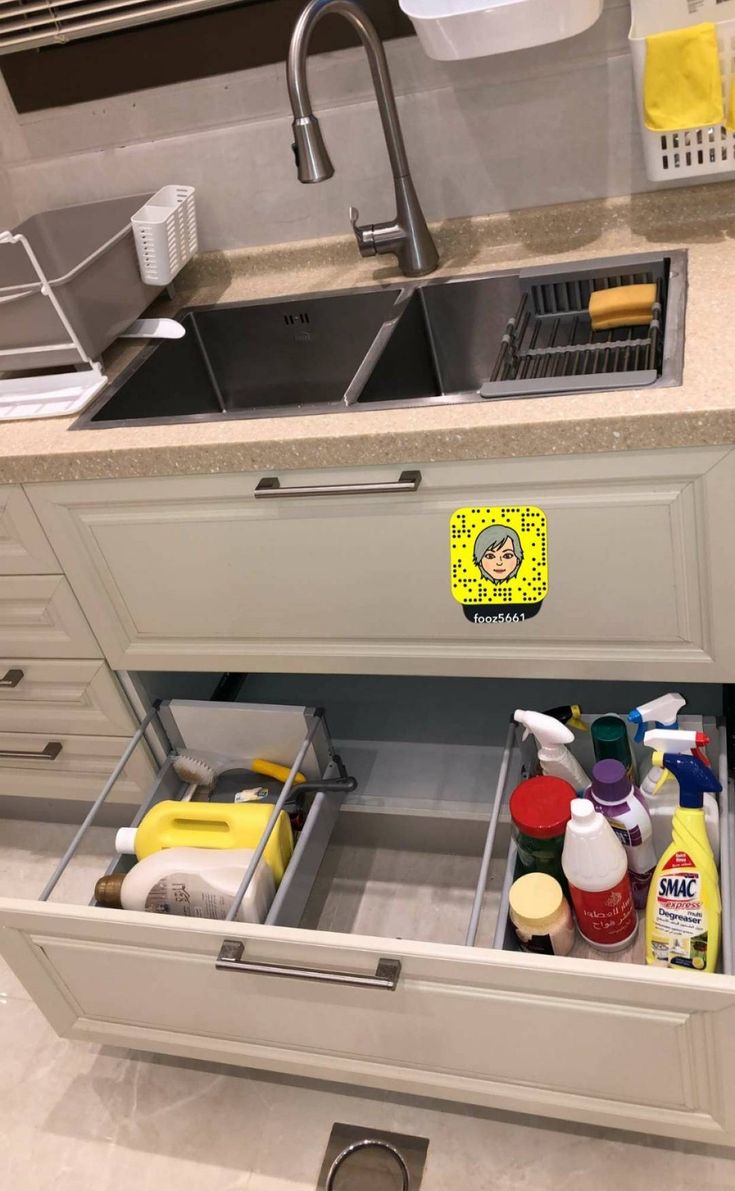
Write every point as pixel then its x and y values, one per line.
pixel 76 1116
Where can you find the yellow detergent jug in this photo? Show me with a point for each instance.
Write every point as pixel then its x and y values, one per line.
pixel 684 911
pixel 210 825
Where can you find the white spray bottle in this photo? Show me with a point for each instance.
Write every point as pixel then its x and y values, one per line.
pixel 659 713
pixel 552 738
pixel 663 799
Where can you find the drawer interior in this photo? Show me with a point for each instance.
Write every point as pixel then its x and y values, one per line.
pixel 422 850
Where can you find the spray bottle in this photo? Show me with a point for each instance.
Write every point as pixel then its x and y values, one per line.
pixel 569 714
pixel 552 737
pixel 684 910
pixel 659 713
pixel 662 801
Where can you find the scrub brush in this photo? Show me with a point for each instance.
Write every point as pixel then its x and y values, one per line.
pixel 196 772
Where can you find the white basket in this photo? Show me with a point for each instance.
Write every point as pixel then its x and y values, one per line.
pixel 451 29
pixel 690 152
pixel 165 232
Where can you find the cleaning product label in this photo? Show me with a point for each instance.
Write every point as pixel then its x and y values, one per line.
pixel 679 935
pixel 172 895
pixel 630 837
pixel 607 917
pixel 499 562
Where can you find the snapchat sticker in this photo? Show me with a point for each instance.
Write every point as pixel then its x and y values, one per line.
pixel 499 562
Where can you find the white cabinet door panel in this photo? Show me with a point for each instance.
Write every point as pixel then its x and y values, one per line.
pixel 79 771
pixel 60 695
pixel 194 573
pixel 39 617
pixel 583 1040
pixel 24 547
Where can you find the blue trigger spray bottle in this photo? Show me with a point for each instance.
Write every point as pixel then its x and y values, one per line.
pixel 662 713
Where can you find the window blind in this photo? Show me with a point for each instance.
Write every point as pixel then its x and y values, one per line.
pixel 28 24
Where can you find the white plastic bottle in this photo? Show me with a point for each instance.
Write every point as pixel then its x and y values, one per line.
pixel 192 882
pixel 552 737
pixel 662 796
pixel 596 868
pixel 613 794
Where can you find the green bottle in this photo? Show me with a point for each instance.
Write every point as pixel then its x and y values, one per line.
pixel 610 740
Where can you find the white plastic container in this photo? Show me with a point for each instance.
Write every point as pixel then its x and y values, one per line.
pixel 552 738
pixel 165 231
pixel 691 152
pixel 450 29
pixel 191 882
pixel 613 794
pixel 596 868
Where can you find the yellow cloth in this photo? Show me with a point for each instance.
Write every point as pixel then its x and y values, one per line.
pixel 730 123
pixel 683 82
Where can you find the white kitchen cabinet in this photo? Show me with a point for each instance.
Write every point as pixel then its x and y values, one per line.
pixel 57 765
pixel 24 548
pixel 40 618
pixel 78 697
pixel 194 573
pixel 596 1041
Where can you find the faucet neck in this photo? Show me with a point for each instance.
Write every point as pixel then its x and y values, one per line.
pixel 298 88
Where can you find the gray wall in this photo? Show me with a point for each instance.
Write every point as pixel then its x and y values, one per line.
pixel 536 127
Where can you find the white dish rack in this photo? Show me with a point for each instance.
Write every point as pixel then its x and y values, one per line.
pixel 165 232
pixel 689 152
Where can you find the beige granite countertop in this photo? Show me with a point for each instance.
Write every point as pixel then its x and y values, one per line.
pixel 700 412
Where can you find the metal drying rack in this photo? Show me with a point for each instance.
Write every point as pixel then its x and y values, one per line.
pixel 550 339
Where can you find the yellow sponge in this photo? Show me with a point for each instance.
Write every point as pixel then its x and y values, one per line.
pixel 623 306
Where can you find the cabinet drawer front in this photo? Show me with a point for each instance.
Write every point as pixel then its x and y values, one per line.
pixel 73 697
pixel 488 1029
pixel 194 573
pixel 40 618
pixel 24 547
pixel 77 771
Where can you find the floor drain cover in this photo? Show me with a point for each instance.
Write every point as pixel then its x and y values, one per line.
pixel 372 1168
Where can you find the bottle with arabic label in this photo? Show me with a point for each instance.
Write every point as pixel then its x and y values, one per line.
pixel 596 868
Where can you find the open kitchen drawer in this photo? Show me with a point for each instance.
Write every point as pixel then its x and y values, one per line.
pixel 377 965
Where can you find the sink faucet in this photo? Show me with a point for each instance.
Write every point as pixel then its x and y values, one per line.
pixel 407 235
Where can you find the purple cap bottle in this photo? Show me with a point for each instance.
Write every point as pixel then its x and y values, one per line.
pixel 614 796
pixel 610 783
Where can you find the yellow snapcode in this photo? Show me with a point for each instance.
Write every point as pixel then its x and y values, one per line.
pixel 499 555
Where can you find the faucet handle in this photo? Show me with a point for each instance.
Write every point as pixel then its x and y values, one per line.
pixel 364 235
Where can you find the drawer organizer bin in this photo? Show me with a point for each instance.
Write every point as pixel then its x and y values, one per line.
pixel 690 152
pixel 505 937
pixel 385 959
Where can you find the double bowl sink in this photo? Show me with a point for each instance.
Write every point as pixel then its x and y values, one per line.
pixel 488 337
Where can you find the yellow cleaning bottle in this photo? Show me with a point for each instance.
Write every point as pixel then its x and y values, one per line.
pixel 209 825
pixel 684 909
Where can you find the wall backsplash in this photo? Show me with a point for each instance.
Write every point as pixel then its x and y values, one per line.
pixel 540 126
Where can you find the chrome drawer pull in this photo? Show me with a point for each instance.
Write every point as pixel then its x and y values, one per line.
pixel 49 753
pixel 230 960
pixel 11 678
pixel 408 481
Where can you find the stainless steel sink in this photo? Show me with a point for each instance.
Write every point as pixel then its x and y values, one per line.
pixel 487 337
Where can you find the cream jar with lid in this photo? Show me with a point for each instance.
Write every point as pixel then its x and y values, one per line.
pixel 541 915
